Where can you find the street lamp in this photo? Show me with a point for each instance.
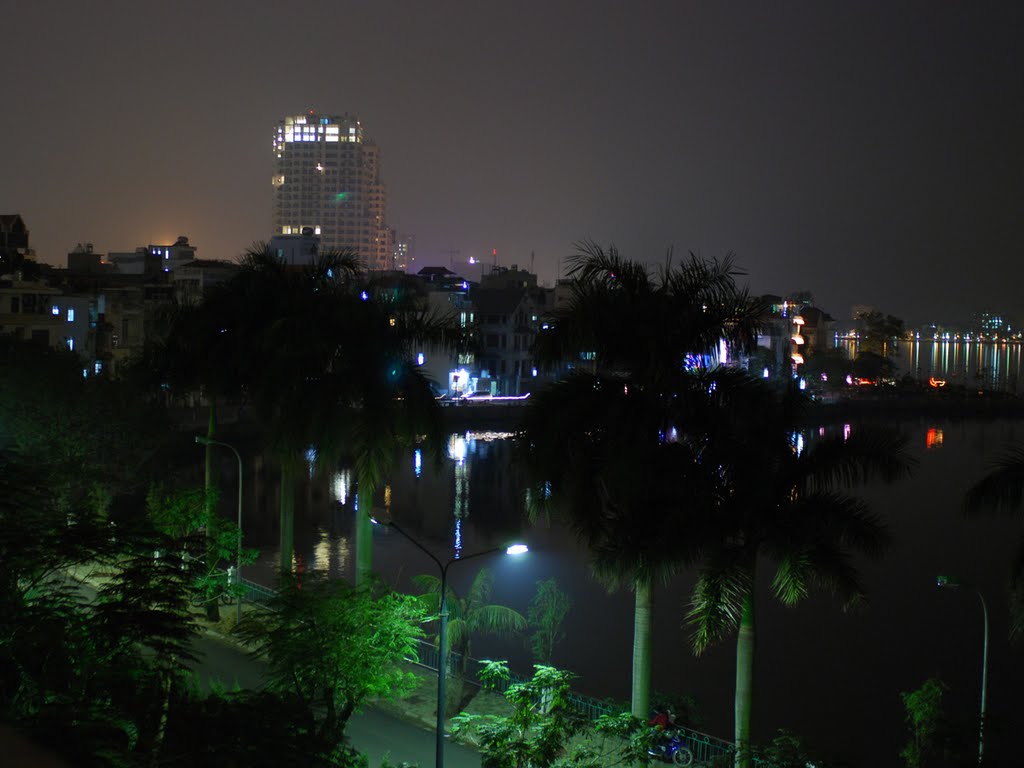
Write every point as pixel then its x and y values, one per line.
pixel 442 653
pixel 238 554
pixel 946 581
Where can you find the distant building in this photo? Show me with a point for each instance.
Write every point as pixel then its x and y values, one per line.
pixel 32 310
pixel 173 256
pixel 137 262
pixel 403 251
pixel 508 306
pixel 83 260
pixel 327 177
pixel 14 248
pixel 992 323
pixel 297 249
pixel 192 280
pixel 819 330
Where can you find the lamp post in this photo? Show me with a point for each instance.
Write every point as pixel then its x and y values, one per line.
pixel 238 553
pixel 946 581
pixel 442 653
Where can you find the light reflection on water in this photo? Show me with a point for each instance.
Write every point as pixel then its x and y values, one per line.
pixel 989 365
pixel 820 672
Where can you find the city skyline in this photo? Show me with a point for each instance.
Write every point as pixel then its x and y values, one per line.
pixel 868 153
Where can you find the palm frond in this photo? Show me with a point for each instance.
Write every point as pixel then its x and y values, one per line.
pixel 481 588
pixel 716 604
pixel 867 454
pixel 1002 488
pixel 497 620
pixel 1016 594
pixel 792 576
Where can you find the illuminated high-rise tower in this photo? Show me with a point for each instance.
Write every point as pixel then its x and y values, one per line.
pixel 327 178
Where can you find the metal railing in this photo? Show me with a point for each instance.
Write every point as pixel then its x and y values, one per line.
pixel 707 750
pixel 256 594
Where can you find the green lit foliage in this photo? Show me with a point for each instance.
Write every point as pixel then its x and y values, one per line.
pixel 103 679
pixel 472 614
pixel 546 615
pixel 334 646
pixel 207 541
pixel 101 671
pixel 544 731
pixel 468 616
pixel 926 721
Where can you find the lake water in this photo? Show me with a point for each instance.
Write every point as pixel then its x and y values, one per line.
pixel 833 677
pixel 986 365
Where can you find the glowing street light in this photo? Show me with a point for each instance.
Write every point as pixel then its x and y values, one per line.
pixel 442 660
pixel 948 582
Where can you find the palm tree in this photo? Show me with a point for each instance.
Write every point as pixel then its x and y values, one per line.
pixel 339 377
pixel 783 502
pixel 471 615
pixel 1002 491
pixel 615 451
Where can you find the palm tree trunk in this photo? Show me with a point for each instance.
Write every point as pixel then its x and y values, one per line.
pixel 212 606
pixel 745 678
pixel 364 534
pixel 641 701
pixel 287 508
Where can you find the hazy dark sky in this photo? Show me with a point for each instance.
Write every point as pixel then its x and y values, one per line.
pixel 868 151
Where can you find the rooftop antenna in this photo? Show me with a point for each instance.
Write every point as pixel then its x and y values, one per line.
pixel 531 261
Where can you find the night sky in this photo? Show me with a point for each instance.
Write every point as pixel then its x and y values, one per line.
pixel 867 151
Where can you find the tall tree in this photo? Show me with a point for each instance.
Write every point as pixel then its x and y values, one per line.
pixel 1001 491
pixel 783 502
pixel 614 450
pixel 336 373
pixel 878 332
pixel 548 609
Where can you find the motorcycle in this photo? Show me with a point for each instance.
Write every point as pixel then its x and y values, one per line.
pixel 673 750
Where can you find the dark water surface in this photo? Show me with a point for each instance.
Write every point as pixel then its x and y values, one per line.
pixel 833 677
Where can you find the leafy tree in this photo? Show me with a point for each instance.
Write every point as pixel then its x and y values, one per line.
pixel 544 731
pixel 333 646
pixel 787 750
pixel 94 438
pixel 471 615
pixel 547 612
pixel 1001 491
pixel 326 363
pixel 871 365
pixel 207 540
pixel 612 450
pixel 784 503
pixel 926 721
pixel 110 673
pixel 877 331
pixel 250 728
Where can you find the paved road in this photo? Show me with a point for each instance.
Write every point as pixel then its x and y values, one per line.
pixel 373 732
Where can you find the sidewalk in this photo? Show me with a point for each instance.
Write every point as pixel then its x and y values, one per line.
pixel 417 708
